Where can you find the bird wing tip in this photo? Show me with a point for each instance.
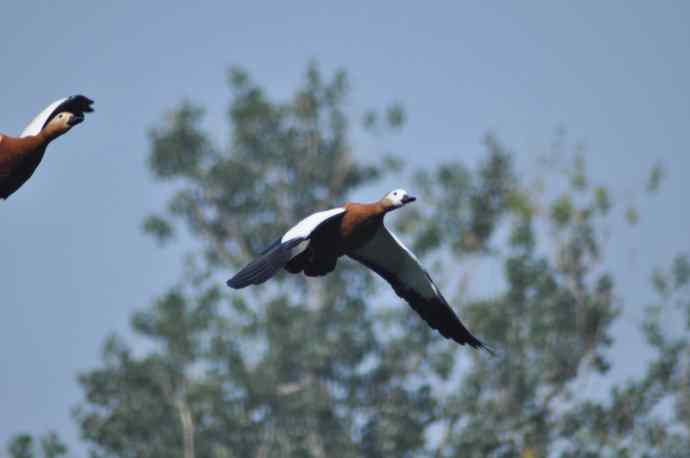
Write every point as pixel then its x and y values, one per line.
pixel 84 101
pixel 482 346
pixel 232 283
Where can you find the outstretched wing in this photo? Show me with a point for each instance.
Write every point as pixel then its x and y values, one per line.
pixel 388 257
pixel 76 104
pixel 279 253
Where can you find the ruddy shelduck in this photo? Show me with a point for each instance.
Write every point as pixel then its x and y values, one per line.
pixel 314 245
pixel 19 156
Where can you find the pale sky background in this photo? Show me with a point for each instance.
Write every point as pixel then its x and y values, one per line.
pixel 74 263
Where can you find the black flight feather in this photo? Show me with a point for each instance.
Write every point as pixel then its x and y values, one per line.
pixel 266 265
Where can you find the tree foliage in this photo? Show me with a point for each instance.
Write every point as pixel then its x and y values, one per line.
pixel 339 366
pixel 24 446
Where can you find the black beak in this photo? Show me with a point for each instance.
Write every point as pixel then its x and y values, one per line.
pixel 408 199
pixel 76 119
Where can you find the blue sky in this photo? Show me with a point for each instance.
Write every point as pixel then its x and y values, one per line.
pixel 74 263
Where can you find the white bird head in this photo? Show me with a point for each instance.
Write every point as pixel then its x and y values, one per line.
pixel 62 123
pixel 398 198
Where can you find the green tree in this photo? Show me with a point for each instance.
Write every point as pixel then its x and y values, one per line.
pixel 24 446
pixel 291 368
pixel 339 366
pixel 631 423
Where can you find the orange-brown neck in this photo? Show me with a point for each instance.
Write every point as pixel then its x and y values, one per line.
pixel 14 147
pixel 360 221
pixel 50 133
pixel 19 157
pixel 366 211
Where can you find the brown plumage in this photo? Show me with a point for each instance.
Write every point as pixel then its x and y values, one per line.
pixel 337 237
pixel 356 230
pixel 20 156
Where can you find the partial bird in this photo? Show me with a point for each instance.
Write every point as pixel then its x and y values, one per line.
pixel 357 230
pixel 19 156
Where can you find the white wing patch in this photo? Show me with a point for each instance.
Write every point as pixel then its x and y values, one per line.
pixel 36 125
pixel 390 259
pixel 305 227
pixel 389 254
pixel 299 248
pixel 279 254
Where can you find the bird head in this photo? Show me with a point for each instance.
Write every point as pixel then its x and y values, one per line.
pixel 62 123
pixel 396 199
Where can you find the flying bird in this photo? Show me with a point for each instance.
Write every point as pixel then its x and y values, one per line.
pixel 314 245
pixel 19 156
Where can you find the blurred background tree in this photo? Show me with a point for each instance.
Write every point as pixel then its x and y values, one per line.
pixel 339 366
pixel 24 446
